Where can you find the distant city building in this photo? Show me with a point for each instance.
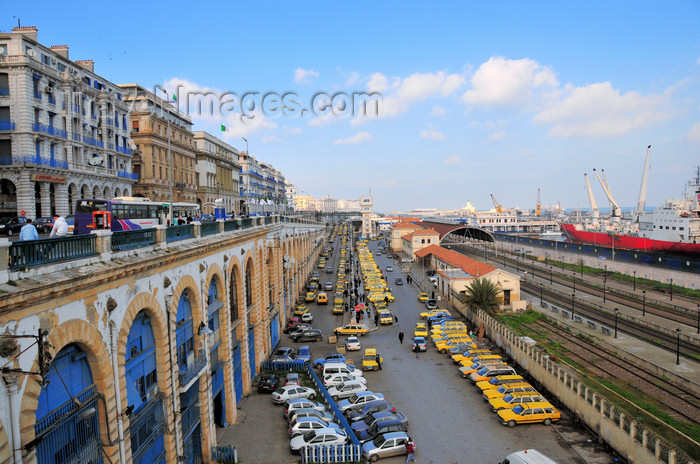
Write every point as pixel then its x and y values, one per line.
pixel 149 131
pixel 217 173
pixel 325 204
pixel 417 240
pixel 64 130
pixel 262 187
pixel 290 191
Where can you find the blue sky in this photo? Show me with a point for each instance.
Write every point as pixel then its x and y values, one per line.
pixel 477 98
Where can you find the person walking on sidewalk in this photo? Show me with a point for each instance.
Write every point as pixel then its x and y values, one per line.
pixel 396 320
pixel 401 337
pixel 376 319
pixel 379 361
pixel 410 448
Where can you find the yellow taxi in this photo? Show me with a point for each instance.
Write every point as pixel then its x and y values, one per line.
pixel 351 329
pixel 435 312
pixel 421 330
pixel 322 298
pixel 468 354
pixel 380 305
pixel 511 400
pixel 300 310
pixel 310 296
pixel 338 308
pixel 542 412
pixel 466 371
pixel 444 346
pixel 369 360
pixel 479 358
pixel 386 317
pixel 503 390
pixel 499 380
pixel 422 296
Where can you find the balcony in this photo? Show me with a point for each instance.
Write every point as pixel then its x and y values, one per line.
pixel 4 92
pixel 110 146
pixel 192 370
pixel 51 99
pixel 93 142
pixel 127 175
pixel 124 150
pixel 7 126
pixel 109 122
pixel 51 162
pixel 37 95
pixel 75 108
pixel 76 137
pixel 50 130
pixel 94 116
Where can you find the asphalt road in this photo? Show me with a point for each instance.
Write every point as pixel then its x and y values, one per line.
pixel 448 419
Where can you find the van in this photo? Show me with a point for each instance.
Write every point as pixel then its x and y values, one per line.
pixel 340 368
pixel 527 457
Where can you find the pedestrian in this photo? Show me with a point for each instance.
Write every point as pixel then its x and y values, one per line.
pixel 396 319
pixel 189 218
pixel 346 307
pixel 379 361
pixel 345 293
pixel 60 227
pixel 416 348
pixel 410 448
pixel 432 295
pixel 376 319
pixel 28 232
pixel 401 337
pixel 357 318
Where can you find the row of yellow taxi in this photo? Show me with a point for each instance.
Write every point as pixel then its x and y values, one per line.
pixel 376 287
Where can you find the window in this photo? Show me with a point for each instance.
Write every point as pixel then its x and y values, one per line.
pixel 4 84
pixel 4 114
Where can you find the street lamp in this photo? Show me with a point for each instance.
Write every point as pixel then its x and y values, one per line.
pixel 573 295
pixel 604 289
pixel 671 289
pixel 605 275
pixel 551 271
pixel 634 281
pixel 574 282
pixel 541 287
pixel 699 318
pixel 644 304
pixel 615 322
pixel 678 346
pixel 170 159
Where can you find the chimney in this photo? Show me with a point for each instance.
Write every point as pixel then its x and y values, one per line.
pixel 60 50
pixel 30 32
pixel 86 64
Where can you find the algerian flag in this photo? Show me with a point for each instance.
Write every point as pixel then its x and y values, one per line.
pixel 223 128
pixel 174 97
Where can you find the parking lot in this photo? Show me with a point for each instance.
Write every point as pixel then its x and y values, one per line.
pixel 448 419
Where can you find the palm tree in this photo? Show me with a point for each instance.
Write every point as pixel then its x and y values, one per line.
pixel 483 294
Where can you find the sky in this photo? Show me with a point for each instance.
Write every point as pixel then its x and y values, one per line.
pixel 466 99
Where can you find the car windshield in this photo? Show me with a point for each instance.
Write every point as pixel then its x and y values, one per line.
pixel 308 436
pixel 508 398
pixel 494 381
pixel 372 429
pixel 501 389
pixel 353 399
pixel 378 442
pixel 483 370
pixel 518 409
pixel 5 220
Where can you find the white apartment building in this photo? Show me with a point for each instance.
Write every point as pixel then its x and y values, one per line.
pixel 218 172
pixel 262 188
pixel 64 130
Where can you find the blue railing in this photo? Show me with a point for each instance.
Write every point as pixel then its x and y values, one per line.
pixel 52 99
pixel 224 454
pixel 127 175
pixel 93 116
pixel 231 225
pixel 130 239
pixel 337 453
pixel 189 373
pixel 65 409
pixel 93 142
pixel 4 92
pixel 76 137
pixel 125 150
pixel 175 233
pixel 209 228
pixel 54 163
pixel 50 130
pixel 29 253
pixel 7 125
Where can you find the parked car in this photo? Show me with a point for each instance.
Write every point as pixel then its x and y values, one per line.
pixel 347 389
pixel 328 286
pixel 293 406
pixel 381 427
pixel 326 437
pixel 12 225
pixel 268 383
pixel 292 392
pixel 359 426
pixel 331 380
pixel 304 353
pixel 299 329
pixel 310 335
pixel 292 379
pixel 398 281
pixel 389 444
pixel 430 303
pixel 282 353
pixel 352 344
pixel 311 412
pixel 351 329
pixel 302 425
pixel 370 408
pixel 528 413
pixel 511 400
pixel 419 344
pixel 341 368
pixel 43 224
pixel 406 260
pixel 308 317
pixel 291 324
pixel 358 400
pixel 389 268
pixel 333 357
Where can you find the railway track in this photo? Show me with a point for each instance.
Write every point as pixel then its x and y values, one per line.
pixel 684 404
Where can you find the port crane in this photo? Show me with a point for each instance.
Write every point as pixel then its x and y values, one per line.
pixel 614 207
pixel 538 210
pixel 496 204
pixel 643 188
pixel 594 205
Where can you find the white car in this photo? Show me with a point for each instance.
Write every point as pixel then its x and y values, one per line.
pixel 295 405
pixel 347 389
pixel 307 424
pixel 292 392
pixel 352 344
pixel 310 412
pixel 331 380
pixel 358 399
pixel 307 317
pixel 324 437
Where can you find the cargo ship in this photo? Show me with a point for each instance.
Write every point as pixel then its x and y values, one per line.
pixel 671 228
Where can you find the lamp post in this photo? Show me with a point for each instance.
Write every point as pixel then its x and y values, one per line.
pixel 605 274
pixel 170 159
pixel 574 282
pixel 573 295
pixel 616 322
pixel 634 281
pixel 644 303
pixel 698 318
pixel 551 271
pixel 671 289
pixel 541 287
pixel 604 289
pixel 678 346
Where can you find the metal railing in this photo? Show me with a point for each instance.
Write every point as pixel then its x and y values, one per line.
pixel 175 233
pixel 50 130
pixel 224 454
pixel 130 239
pixel 247 222
pixel 7 125
pixel 127 175
pixel 93 142
pixel 29 253
pixel 192 370
pixel 209 228
pixel 231 225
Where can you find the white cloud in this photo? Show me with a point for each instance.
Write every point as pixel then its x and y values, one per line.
pixel 694 133
pixel 320 121
pixel 500 81
pixel 357 138
pixel 304 75
pixel 292 130
pixel 452 160
pixel 238 126
pixel 377 83
pixel 497 135
pixel 438 111
pixel 600 110
pixel 432 134
pixel 271 139
pixel 352 79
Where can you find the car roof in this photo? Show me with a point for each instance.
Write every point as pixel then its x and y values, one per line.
pixel 390 435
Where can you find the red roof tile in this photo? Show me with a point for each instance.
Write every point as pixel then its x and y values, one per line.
pixel 465 263
pixel 403 225
pixel 425 232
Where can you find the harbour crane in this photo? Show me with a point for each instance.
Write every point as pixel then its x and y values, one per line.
pixel 538 210
pixel 594 205
pixel 643 188
pixel 496 204
pixel 614 207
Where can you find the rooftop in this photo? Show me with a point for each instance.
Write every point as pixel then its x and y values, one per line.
pixel 470 266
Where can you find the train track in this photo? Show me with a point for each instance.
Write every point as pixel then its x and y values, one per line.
pixel 684 404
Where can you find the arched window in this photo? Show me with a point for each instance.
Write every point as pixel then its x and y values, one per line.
pixel 248 285
pixel 184 330
pixel 233 296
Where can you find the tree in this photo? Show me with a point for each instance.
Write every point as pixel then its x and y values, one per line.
pixel 482 293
